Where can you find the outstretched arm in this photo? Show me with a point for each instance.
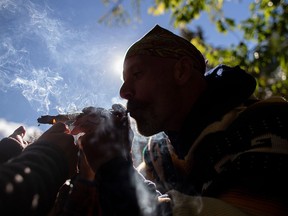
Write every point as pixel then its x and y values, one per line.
pixel 29 183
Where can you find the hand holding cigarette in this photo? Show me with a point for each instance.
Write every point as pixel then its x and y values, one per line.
pixel 107 134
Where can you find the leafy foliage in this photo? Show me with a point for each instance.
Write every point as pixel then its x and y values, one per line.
pixel 262 50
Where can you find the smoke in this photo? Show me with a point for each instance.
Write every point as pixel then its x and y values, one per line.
pixel 54 64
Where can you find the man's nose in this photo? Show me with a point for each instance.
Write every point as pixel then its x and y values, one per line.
pixel 126 91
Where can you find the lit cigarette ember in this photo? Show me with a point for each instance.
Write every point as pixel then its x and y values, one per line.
pixel 49 119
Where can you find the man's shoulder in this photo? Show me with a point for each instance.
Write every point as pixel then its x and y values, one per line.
pixel 273 108
pixel 274 102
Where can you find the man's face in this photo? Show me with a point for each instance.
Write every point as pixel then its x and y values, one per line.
pixel 151 92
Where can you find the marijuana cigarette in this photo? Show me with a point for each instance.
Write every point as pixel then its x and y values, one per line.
pixel 50 119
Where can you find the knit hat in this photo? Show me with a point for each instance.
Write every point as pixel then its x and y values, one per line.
pixel 163 43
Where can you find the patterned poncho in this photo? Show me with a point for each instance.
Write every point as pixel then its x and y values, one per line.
pixel 227 143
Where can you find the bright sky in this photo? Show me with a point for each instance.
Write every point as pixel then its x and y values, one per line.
pixel 56 58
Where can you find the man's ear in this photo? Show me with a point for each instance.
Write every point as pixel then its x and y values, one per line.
pixel 183 70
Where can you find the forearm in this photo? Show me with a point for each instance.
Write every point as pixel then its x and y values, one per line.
pixel 30 182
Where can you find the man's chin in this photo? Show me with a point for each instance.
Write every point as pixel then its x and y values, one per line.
pixel 145 130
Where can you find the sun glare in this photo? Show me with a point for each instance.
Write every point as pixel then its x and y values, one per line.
pixel 118 66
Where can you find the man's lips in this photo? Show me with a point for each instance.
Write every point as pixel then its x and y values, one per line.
pixel 132 106
pixel 135 108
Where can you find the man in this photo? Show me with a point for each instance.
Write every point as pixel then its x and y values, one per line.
pixel 223 152
pixel 222 142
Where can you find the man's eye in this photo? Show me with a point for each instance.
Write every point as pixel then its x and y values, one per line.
pixel 137 74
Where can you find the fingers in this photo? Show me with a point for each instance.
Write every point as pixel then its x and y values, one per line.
pixel 90 120
pixel 119 111
pixel 75 131
pixel 58 127
pixel 83 125
pixel 18 136
pixel 119 108
pixel 94 118
pixel 20 131
pixel 57 133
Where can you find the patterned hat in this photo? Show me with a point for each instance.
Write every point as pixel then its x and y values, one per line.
pixel 163 43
